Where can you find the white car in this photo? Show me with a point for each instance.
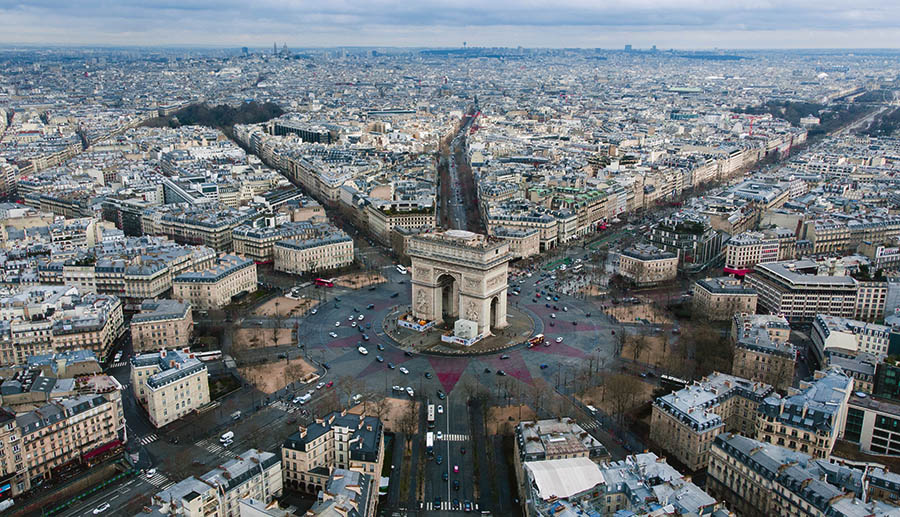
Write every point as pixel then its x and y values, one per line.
pixel 559 339
pixel 151 473
pixel 100 509
pixel 314 311
pixel 363 350
pixel 565 309
pixel 409 391
pixel 320 385
pixel 397 388
pixel 350 318
pixel 361 317
pixel 332 334
pixel 337 323
pixel 440 410
pixel 553 315
pixel 404 371
pixel 439 435
pixel 353 324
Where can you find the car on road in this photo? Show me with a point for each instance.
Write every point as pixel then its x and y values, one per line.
pixel 462 450
pixel 295 400
pixel 379 346
pixel 440 410
pixel 456 469
pixel 440 394
pixel 552 324
pixel 100 509
pixel 370 306
pixel 320 385
pixel 553 315
pixel 467 506
pixel 391 366
pixel 455 484
pixel 361 317
pixel 363 350
pixel 487 370
pixel 326 366
pixel 559 339
pixel 332 334
pixel 565 309
pixel 439 435
pixel 396 388
pixel 404 371
pixel 501 373
pixel 395 295
pixel 427 375
pixel 445 476
pixel 350 318
pixel 544 366
pixel 337 323
pixel 150 473
pixel 365 337
pixel 353 324
pixel 410 392
pixel 407 353
pixel 504 356
pixel 314 311
pixel 330 384
pixel 379 358
pixel 438 459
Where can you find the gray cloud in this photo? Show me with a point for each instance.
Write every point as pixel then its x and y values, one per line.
pixel 669 23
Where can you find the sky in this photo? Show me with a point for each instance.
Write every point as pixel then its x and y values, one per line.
pixel 681 24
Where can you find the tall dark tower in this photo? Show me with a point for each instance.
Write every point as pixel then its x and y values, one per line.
pixel 275 49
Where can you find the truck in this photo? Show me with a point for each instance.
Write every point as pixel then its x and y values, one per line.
pixel 429 443
pixel 227 437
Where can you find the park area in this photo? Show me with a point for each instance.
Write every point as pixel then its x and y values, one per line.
pixel 651 350
pixel 250 339
pixel 503 419
pixel 359 280
pixel 283 307
pixel 394 411
pixel 632 313
pixel 271 377
pixel 607 401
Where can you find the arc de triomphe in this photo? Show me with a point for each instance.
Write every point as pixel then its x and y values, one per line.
pixel 459 274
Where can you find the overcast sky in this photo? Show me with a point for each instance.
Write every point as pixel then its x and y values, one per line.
pixel 527 23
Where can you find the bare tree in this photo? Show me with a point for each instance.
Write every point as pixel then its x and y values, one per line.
pixel 621 389
pixel 409 421
pixel 639 342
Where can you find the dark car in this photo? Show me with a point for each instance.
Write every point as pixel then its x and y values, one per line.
pixel 462 450
pixel 379 358
pixel 326 366
pixel 575 323
pixel 337 298
pixel 501 373
pixel 440 395
pixel 487 370
pixel 437 502
pixel 467 506
pixel 370 306
pixel 427 375
pixel 372 288
pixel 444 476
pixel 455 484
pixel 504 356
pixel 395 295
pixel 379 346
pixel 544 366
pixel 365 337
pixel 552 323
pixel 407 353
pixel 391 366
pixel 438 459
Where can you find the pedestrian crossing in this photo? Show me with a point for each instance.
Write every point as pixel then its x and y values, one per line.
pixel 150 438
pixel 590 426
pixel 444 505
pixel 118 364
pixel 160 481
pixel 452 437
pixel 215 448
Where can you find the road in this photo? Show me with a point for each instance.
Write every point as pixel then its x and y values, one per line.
pixel 459 194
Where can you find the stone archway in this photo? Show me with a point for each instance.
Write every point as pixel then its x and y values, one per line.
pixel 458 274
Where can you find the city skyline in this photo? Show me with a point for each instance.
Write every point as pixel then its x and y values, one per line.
pixel 572 23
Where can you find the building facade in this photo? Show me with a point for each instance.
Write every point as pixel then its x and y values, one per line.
pixel 162 324
pixel 214 288
pixel 169 384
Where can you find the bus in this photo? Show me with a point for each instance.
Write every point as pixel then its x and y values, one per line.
pixel 536 340
pixel 578 268
pixel 431 416
pixel 429 443
pixel 212 355
pixel 670 383
pixel 324 282
pixel 401 269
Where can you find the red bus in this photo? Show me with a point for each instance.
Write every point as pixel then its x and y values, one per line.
pixel 536 340
pixel 324 282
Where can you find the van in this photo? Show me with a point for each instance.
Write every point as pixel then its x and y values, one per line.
pixel 592 409
pixel 226 437
pixel 356 399
pixel 305 398
pixel 236 415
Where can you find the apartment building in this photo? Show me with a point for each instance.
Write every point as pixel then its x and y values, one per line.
pixel 523 242
pixel 258 242
pixel 834 334
pixel 252 475
pixel 798 292
pixel 685 422
pixel 745 250
pixel 874 424
pixel 347 492
pixel 320 253
pixel 78 430
pixel 162 324
pixel 169 384
pixel 647 265
pixel 691 238
pixel 337 441
pixel 214 287
pixel 208 224
pixel 810 418
pixel 719 299
pixel 757 479
pixel 541 440
pixel 383 218
pixel 762 351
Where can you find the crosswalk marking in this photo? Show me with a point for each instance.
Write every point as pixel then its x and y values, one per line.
pixel 159 480
pixel 589 425
pixel 167 485
pixel 445 505
pixel 118 364
pixel 452 437
pixel 150 438
pixel 215 448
